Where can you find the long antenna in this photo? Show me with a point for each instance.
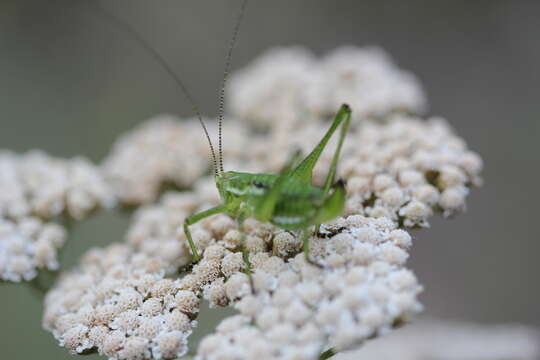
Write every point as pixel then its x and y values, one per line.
pixel 224 83
pixel 153 52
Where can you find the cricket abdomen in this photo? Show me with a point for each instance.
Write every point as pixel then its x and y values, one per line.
pixel 297 205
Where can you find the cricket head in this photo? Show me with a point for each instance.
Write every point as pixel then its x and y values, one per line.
pixel 221 181
pixel 231 185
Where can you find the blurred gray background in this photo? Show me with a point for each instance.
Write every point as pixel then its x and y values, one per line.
pixel 71 83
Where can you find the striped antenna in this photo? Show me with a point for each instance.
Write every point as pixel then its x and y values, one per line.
pixel 224 83
pixel 153 52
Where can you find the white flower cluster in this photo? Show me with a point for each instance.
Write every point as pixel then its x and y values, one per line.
pixel 161 150
pixel 294 85
pixel 407 168
pixel 119 303
pixel 448 340
pixel 165 151
pixel 27 245
pixel 35 188
pixel 298 310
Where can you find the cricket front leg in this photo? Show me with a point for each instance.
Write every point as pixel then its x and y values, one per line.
pixel 190 220
pixel 245 253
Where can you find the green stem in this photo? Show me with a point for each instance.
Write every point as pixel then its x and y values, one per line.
pixel 327 354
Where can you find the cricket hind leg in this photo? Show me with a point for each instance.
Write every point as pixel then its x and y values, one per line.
pixel 306 248
pixel 303 172
pixel 193 219
pixel 294 159
pixel 333 165
pixel 330 176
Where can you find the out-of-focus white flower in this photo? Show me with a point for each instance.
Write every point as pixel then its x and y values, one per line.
pixel 28 245
pixel 36 184
pixel 368 80
pixel 275 87
pixel 164 150
pixel 451 340
pixel 160 150
pixel 119 303
pixel 35 188
pixel 290 85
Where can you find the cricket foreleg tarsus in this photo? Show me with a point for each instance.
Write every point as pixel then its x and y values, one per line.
pixel 193 219
pixel 245 252
pixel 305 246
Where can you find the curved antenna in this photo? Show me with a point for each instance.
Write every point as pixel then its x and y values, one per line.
pixel 153 52
pixel 224 83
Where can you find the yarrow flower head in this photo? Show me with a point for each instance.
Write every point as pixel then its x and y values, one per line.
pixel 27 245
pixel 128 301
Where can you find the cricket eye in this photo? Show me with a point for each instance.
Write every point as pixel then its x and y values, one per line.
pixel 257 184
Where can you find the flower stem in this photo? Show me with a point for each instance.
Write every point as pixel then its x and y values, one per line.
pixel 327 354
